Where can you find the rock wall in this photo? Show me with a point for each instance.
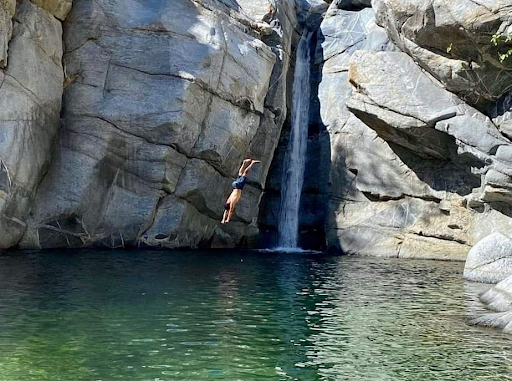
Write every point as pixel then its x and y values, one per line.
pixel 416 171
pixel 125 125
pixel 162 101
pixel 31 78
pixel 408 153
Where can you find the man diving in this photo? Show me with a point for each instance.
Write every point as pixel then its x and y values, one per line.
pixel 238 185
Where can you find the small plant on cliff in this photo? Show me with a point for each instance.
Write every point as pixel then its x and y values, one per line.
pixel 499 40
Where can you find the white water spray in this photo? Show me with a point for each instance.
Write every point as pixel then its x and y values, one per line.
pixel 293 173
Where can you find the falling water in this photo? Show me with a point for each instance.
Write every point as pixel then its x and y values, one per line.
pixel 293 173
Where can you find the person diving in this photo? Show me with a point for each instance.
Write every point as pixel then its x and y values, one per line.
pixel 238 185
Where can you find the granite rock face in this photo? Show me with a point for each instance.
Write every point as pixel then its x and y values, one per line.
pixel 490 260
pixel 382 199
pixel 30 104
pixel 162 101
pixel 499 300
pixel 409 152
pixel 412 170
pixel 451 39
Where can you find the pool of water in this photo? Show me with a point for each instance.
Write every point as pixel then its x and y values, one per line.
pixel 241 316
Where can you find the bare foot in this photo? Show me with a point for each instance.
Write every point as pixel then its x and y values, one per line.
pixel 247 160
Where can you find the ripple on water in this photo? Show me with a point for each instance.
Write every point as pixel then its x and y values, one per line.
pixel 243 316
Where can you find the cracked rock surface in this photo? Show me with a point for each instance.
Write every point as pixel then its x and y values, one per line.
pixel 451 40
pixel 30 103
pixel 412 170
pixel 162 101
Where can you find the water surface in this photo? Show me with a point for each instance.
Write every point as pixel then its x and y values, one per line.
pixel 241 316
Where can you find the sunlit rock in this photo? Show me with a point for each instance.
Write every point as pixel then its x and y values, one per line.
pixel 162 101
pixel 490 260
pixel 452 40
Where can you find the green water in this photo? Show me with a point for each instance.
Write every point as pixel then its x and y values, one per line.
pixel 241 316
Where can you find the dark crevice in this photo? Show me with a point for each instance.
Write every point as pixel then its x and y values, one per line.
pixel 378 197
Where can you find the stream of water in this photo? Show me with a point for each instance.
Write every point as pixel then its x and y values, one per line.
pixel 293 173
pixel 241 316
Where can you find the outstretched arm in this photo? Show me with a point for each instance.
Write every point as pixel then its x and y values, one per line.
pixel 246 172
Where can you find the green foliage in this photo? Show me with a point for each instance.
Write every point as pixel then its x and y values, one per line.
pixel 499 40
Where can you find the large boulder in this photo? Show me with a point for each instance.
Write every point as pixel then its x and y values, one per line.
pixel 420 115
pixel 30 104
pixel 451 39
pixel 499 299
pixel 162 102
pixel 423 117
pixel 490 260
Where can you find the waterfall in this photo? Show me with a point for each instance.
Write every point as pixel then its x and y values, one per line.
pixel 293 172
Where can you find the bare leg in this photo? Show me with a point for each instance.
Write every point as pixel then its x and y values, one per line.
pixel 245 163
pixel 224 217
pixel 230 214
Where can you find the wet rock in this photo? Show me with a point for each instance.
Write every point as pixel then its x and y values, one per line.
pixel 490 260
pixel 498 298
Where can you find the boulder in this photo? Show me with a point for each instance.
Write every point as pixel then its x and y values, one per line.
pixel 451 39
pixel 420 115
pixel 58 8
pixel 490 260
pixel 498 298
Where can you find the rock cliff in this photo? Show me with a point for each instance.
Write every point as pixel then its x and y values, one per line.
pixel 31 81
pixel 123 124
pixel 406 154
pixel 417 169
pixel 161 102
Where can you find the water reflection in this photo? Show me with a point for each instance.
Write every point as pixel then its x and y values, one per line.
pixel 241 316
